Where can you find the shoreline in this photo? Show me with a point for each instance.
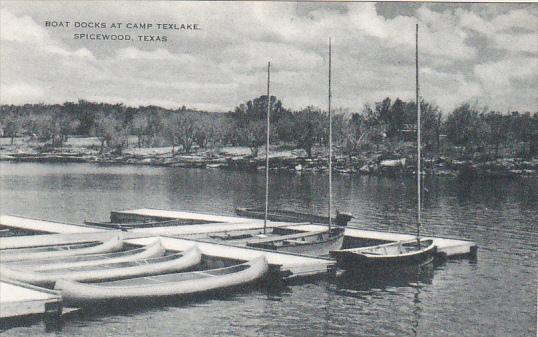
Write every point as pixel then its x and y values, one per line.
pixel 291 160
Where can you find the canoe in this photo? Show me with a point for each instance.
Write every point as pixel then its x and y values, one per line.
pixel 389 255
pixel 317 243
pixel 154 249
pixel 112 271
pixel 19 254
pixel 341 219
pixel 177 284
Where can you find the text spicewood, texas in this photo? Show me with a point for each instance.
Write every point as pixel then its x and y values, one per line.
pixel 161 27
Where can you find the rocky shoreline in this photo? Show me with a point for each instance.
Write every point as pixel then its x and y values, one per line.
pixel 295 160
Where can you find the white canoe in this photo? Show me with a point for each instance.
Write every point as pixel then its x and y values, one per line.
pixel 20 254
pixel 154 249
pixel 177 284
pixel 112 271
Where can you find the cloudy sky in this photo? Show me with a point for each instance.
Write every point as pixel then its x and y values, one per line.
pixel 483 53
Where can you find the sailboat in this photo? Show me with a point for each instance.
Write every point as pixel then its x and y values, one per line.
pixel 413 252
pixel 308 243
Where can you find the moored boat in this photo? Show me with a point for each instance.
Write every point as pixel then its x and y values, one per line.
pixel 341 218
pixel 57 251
pixel 112 271
pixel 389 255
pixel 177 284
pixel 402 253
pixel 154 249
pixel 317 243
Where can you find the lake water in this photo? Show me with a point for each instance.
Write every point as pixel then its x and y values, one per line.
pixel 492 296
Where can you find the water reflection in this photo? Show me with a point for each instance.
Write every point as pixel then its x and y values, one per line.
pixel 353 282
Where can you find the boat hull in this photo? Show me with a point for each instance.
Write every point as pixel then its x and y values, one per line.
pixel 317 244
pixel 351 259
pixel 179 284
pixel 106 272
pixel 155 249
pixel 20 254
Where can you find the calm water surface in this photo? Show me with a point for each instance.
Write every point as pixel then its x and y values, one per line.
pixel 492 296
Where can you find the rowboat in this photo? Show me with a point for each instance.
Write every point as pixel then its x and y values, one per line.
pixel 317 243
pixel 154 249
pixel 105 272
pixel 177 284
pixel 58 251
pixel 394 254
pixel 341 218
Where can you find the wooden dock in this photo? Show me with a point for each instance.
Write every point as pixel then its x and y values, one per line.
pixel 44 226
pixel 445 246
pixel 19 299
pixel 226 224
pixel 148 214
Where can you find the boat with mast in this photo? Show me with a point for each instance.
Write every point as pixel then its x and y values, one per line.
pixel 401 253
pixel 309 243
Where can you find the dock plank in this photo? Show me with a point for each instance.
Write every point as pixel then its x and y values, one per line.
pixel 18 299
pixel 165 214
pixel 44 225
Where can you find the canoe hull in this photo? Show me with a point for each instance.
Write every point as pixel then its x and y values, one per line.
pixel 113 271
pixel 155 249
pixel 187 285
pixel 21 254
pixel 351 259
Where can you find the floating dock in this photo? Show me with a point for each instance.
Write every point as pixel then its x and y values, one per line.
pixel 445 246
pixel 19 299
pixel 148 214
pixel 209 224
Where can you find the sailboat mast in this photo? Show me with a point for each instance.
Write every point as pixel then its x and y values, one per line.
pixel 330 142
pixel 267 149
pixel 419 188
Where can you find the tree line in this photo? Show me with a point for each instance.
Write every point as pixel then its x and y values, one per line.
pixel 385 125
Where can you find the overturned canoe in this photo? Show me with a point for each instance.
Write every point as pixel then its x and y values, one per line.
pixel 283 215
pixel 20 254
pixel 389 255
pixel 318 243
pixel 112 271
pixel 154 249
pixel 177 284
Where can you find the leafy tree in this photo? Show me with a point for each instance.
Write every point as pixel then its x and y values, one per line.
pixel 256 109
pixel 111 132
pixel 308 128
pixel 497 130
pixel 464 128
pixel 139 125
pixel 181 130
pixel 12 125
pixel 253 135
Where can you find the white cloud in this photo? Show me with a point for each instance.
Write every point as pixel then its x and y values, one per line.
pixel 20 29
pixel 21 93
pixel 225 63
